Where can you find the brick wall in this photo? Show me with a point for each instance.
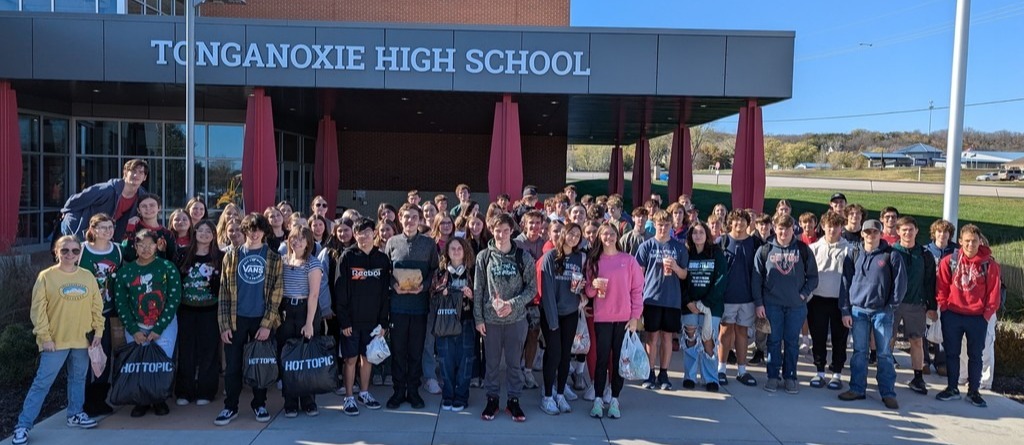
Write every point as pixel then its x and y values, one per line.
pixel 474 12
pixel 405 161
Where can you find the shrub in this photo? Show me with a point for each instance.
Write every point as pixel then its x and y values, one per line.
pixel 1011 264
pixel 17 276
pixel 1009 348
pixel 18 355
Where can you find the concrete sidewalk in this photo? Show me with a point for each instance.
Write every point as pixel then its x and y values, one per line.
pixel 736 415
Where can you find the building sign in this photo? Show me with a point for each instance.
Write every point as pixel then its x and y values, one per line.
pixel 380 58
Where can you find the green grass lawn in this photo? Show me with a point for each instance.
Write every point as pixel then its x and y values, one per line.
pixel 937 175
pixel 1000 219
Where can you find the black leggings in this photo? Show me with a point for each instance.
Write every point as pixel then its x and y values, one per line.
pixel 609 347
pixel 556 356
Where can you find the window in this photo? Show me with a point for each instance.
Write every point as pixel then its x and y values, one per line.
pixel 36 5
pixel 44 183
pixel 74 6
pixel 98 138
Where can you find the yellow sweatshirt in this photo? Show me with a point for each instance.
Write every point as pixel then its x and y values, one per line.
pixel 66 306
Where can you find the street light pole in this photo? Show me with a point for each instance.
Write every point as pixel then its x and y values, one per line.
pixel 931 106
pixel 190 97
pixel 954 141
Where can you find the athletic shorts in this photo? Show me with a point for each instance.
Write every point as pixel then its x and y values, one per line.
pixel 663 319
pixel 355 345
pixel 739 314
pixel 913 316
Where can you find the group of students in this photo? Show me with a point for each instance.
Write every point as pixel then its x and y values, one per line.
pixel 514 277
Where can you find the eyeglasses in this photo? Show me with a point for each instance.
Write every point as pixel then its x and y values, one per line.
pixel 321 204
pixel 107 227
pixel 66 251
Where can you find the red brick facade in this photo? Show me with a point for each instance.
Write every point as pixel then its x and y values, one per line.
pixel 467 12
pixel 403 161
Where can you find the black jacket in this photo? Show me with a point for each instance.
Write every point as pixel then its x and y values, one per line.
pixel 362 289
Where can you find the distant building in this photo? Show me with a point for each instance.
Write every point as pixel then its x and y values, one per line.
pixel 980 159
pixel 813 166
pixel 922 154
pixel 888 160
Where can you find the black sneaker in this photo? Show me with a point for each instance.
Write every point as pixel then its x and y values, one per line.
pixel 689 384
pixel 710 387
pixel 758 358
pixel 396 400
pixel 311 410
pixel 225 417
pixel 873 358
pixel 514 410
pixel 367 400
pixel 99 410
pixel 722 379
pixel 161 409
pixel 350 407
pixel 948 394
pixel 140 410
pixel 491 409
pixel 746 379
pixel 663 383
pixel 261 413
pixel 975 399
pixel 651 381
pixel 917 385
pixel 413 396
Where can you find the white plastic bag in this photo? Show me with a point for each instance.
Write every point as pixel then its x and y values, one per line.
pixel 934 332
pixel 377 350
pixel 633 362
pixel 581 342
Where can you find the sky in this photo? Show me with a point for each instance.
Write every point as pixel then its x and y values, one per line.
pixel 860 57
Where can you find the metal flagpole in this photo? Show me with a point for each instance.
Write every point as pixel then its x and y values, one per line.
pixel 954 141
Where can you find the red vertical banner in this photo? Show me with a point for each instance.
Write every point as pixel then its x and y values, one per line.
pixel 616 183
pixel 741 173
pixel 259 154
pixel 10 158
pixel 505 170
pixel 680 172
pixel 758 163
pixel 748 171
pixel 325 174
pixel 641 171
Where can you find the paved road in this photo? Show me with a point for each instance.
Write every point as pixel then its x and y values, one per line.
pixel 840 184
pixel 737 415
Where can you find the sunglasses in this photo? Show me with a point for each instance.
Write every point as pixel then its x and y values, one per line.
pixel 320 204
pixel 66 251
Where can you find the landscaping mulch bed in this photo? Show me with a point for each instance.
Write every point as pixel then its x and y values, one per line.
pixel 12 397
pixel 1010 386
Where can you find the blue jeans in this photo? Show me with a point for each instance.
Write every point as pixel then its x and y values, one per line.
pixel 166 340
pixel 50 364
pixel 954 328
pixel 456 354
pixel 786 323
pixel 866 322
pixel 695 360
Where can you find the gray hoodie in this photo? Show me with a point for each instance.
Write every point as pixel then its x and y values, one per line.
pixel 511 275
pixel 557 298
pixel 783 274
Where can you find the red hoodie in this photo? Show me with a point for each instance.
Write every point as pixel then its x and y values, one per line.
pixel 974 288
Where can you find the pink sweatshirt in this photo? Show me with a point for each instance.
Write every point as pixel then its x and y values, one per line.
pixel 624 299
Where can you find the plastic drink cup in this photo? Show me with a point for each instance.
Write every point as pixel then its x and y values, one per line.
pixel 666 261
pixel 602 286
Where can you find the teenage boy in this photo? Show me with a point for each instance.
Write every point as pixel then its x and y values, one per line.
pixel 785 275
pixel 413 255
pixel 889 216
pixel 851 231
pixel 630 241
pixel 832 254
pixel 837 203
pixel 809 225
pixel 570 192
pixel 919 300
pixel 615 215
pixel 877 286
pixel 528 203
pixel 461 192
pixel 506 280
pixel 413 197
pixel 968 295
pixel 763 228
pixel 664 260
pixel 738 317
pixel 250 293
pixel 363 291
pixel 941 232
pixel 441 202
pixel 116 197
pixel 532 240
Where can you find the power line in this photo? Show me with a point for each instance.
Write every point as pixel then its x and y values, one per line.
pixel 883 113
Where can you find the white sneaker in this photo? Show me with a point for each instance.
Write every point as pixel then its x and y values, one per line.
pixel 569 394
pixel 613 409
pixel 597 411
pixel 202 402
pixel 548 405
pixel 81 420
pixel 20 436
pixel 432 386
pixel 563 405
pixel 607 394
pixel 181 402
pixel 589 394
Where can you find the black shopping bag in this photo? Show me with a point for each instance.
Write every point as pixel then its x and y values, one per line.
pixel 308 366
pixel 142 375
pixel 261 368
pixel 447 314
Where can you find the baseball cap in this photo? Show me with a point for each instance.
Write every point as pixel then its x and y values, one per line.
pixel 837 196
pixel 530 191
pixel 871 224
